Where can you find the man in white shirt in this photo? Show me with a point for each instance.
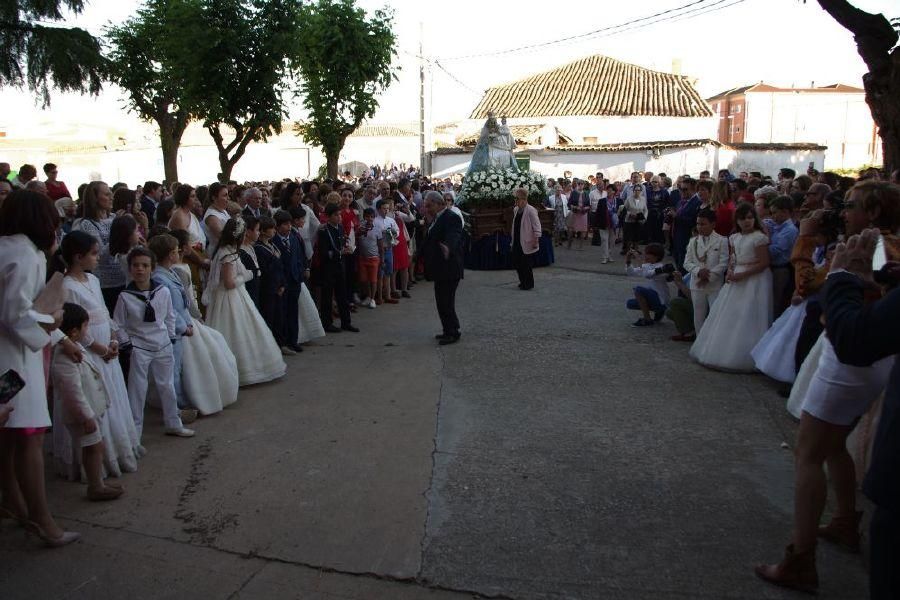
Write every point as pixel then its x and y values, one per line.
pixel 706 261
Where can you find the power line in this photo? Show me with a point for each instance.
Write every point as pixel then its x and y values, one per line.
pixel 576 37
pixel 454 77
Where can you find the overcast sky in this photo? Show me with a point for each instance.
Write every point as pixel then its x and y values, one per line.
pixel 736 42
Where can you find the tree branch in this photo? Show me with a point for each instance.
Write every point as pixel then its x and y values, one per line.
pixel 874 35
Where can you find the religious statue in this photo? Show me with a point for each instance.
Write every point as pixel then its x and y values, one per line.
pixel 494 148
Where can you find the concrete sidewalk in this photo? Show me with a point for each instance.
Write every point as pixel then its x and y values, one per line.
pixel 554 452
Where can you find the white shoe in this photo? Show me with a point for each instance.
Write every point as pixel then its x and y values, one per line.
pixel 356 299
pixel 371 303
pixel 285 351
pixel 183 432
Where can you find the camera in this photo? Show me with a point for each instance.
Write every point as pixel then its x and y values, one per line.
pixel 665 270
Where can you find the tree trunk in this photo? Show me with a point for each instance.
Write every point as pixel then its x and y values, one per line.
pixel 875 40
pixel 169 147
pixel 331 157
pixel 238 144
pixel 171 129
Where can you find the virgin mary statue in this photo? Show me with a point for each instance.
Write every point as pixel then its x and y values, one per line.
pixel 494 148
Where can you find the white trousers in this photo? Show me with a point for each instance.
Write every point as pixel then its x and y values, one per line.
pixel 160 366
pixel 702 301
pixel 604 242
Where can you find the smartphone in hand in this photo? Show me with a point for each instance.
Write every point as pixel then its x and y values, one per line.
pixel 11 383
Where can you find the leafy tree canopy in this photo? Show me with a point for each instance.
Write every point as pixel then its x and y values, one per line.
pixel 43 55
pixel 344 59
pixel 229 59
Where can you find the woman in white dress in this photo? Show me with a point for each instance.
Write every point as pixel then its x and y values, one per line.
pixel 121 441
pixel 216 214
pixel 183 218
pixel 309 324
pixel 230 311
pixel 28 223
pixel 96 218
pixel 742 313
pixel 209 375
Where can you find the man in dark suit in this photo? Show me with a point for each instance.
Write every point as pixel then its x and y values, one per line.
pixel 332 250
pixel 252 198
pixel 293 259
pixel 862 335
pixel 153 192
pixel 442 253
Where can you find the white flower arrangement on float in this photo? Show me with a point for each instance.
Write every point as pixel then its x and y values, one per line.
pixel 494 188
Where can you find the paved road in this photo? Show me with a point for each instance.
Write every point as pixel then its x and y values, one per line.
pixel 555 452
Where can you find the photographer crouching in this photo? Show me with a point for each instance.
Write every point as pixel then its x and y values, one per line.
pixel 654 296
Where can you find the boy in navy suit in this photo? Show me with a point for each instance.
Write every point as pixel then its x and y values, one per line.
pixel 293 259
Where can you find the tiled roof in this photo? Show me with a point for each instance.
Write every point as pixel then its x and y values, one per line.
pixel 384 131
pixel 523 134
pixel 595 86
pixel 632 146
pixel 776 146
pixel 834 88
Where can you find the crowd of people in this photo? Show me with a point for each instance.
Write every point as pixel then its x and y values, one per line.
pixel 739 264
pixel 179 296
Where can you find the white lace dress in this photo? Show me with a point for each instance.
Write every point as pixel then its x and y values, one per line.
pixel 741 314
pixel 233 314
pixel 120 438
pixel 209 374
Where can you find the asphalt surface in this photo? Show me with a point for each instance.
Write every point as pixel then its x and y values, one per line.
pixel 555 452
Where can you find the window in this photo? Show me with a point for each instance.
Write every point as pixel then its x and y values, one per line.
pixel 737 129
pixel 737 108
pixel 592 139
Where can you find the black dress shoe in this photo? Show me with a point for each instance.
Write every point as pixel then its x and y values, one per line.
pixel 450 339
pixel 440 336
pixel 332 329
pixel 296 347
pixel 405 294
pixel 350 328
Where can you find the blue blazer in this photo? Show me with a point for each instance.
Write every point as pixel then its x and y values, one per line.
pixel 293 258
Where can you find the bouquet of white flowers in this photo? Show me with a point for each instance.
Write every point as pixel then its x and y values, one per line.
pixel 494 188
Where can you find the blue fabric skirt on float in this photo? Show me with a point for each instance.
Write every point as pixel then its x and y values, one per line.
pixel 774 353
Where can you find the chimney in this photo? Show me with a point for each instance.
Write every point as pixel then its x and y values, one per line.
pixel 676 66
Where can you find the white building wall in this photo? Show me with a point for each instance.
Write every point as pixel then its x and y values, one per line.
pixel 618 166
pixel 841 121
pixel 614 130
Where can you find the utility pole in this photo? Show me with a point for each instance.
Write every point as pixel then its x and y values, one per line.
pixel 421 99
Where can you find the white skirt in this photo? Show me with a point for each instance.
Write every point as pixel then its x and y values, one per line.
pixel 209 374
pixel 309 323
pixel 739 318
pixel 233 314
pixel 839 393
pixel 774 354
pixel 804 377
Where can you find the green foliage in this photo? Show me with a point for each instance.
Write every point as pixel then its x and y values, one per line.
pixel 229 60
pixel 141 67
pixel 344 58
pixel 44 57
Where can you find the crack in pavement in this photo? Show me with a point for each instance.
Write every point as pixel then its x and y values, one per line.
pixel 434 452
pixel 267 559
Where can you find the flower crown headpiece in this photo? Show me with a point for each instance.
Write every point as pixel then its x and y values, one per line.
pixel 239 228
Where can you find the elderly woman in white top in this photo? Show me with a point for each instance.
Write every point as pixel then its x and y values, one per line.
pixel 28 222
pixel 635 215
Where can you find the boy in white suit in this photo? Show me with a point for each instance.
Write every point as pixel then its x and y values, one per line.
pixel 706 260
